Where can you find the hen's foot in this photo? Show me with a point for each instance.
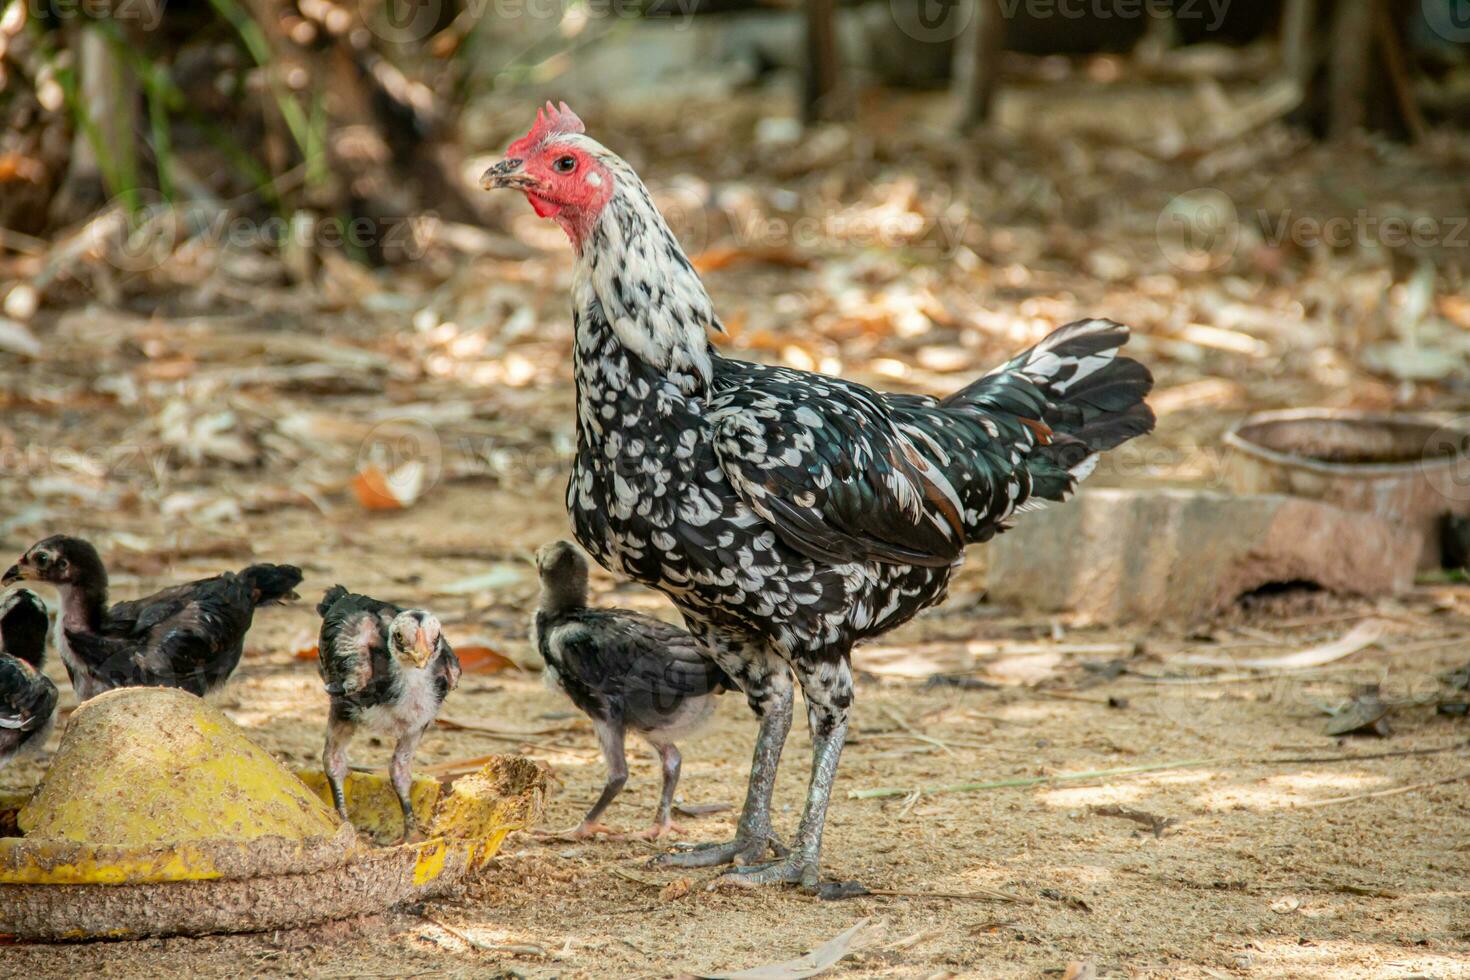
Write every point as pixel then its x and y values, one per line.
pixel 793 869
pixel 741 850
pixel 584 830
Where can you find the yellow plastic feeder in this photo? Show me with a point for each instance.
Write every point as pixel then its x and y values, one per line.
pixel 159 816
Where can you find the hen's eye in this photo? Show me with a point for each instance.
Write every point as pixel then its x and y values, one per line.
pixel 565 165
pixel 42 559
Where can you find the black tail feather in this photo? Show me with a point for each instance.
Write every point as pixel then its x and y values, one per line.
pixel 1074 381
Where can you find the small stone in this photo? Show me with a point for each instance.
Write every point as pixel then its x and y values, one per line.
pixel 22 302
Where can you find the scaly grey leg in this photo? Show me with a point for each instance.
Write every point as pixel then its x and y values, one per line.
pixel 400 772
pixel 611 738
pixel 771 698
pixel 828 692
pixel 334 761
pixel 670 761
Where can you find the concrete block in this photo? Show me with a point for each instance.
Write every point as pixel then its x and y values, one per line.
pixel 1145 556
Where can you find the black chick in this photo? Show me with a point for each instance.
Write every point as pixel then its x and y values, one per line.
pixel 27 696
pixel 190 636
pixel 385 668
pixel 624 670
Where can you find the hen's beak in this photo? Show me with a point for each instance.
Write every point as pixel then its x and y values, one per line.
pixel 13 574
pixel 422 648
pixel 507 173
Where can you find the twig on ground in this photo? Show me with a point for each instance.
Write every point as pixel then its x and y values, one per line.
pixel 1155 824
pixel 617 872
pixel 908 729
pixel 1395 791
pixel 1021 781
pixel 979 894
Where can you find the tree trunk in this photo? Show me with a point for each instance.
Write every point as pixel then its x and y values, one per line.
pixel 1298 47
pixel 977 64
pixel 1351 58
pixel 822 95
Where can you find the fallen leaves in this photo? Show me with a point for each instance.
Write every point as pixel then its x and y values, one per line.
pixel 401 488
pixel 1360 637
pixel 819 960
pixel 480 659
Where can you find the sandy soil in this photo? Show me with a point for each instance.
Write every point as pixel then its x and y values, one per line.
pixel 1277 861
pixel 1256 876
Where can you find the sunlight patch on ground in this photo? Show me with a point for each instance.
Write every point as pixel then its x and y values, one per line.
pixel 1352 959
pixel 1076 797
pixel 1289 790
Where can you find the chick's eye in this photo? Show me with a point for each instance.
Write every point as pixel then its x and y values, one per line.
pixel 42 560
pixel 565 165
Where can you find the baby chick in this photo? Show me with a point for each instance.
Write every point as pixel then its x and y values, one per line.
pixel 385 668
pixel 27 696
pixel 625 671
pixel 189 636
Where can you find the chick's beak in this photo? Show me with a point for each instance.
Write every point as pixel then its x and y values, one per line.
pixel 507 173
pixel 12 575
pixel 422 648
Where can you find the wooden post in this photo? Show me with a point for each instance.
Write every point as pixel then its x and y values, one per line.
pixel 1350 60
pixel 1299 51
pixel 822 97
pixel 977 64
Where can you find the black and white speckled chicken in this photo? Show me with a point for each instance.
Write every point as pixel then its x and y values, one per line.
pixel 190 636
pixel 624 670
pixel 787 514
pixel 27 696
pixel 385 669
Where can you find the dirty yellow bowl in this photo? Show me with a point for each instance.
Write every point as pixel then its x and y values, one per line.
pixel 159 816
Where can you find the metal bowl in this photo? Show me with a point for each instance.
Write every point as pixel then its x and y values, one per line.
pixel 1410 470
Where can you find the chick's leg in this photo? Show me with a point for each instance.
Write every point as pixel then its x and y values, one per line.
pixel 768 690
pixel 614 752
pixel 828 691
pixel 334 761
pixel 670 761
pixel 400 773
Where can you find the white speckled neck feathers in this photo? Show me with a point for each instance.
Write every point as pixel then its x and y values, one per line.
pixel 633 269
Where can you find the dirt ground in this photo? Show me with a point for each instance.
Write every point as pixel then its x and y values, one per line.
pixel 222 424
pixel 1258 874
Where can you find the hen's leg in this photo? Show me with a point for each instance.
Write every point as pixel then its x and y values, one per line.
pixel 767 685
pixel 828 691
pixel 400 772
pixel 334 761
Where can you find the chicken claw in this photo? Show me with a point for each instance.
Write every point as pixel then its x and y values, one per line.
pixel 585 830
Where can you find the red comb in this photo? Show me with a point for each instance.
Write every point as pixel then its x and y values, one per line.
pixel 550 121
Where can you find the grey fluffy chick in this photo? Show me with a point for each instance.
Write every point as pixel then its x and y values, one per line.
pixel 625 671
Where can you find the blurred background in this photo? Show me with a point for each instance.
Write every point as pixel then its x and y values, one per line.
pixel 254 306
pixel 240 237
